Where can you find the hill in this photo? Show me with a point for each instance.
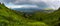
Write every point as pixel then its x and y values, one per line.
pixel 52 19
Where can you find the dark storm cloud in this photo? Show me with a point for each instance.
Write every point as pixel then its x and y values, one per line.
pixel 41 3
pixel 7 1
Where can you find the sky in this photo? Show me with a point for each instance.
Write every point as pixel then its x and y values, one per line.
pixel 41 4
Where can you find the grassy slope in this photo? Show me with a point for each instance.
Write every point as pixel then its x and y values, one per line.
pixel 12 18
pixel 51 19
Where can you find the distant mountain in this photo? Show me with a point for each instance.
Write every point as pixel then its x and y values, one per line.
pixel 31 10
pixel 26 9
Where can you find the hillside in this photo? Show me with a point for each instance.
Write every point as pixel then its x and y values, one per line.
pixel 10 17
pixel 52 19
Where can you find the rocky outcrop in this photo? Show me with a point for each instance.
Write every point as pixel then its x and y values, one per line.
pixel 59 8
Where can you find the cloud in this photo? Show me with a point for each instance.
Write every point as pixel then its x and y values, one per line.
pixel 23 6
pixel 55 4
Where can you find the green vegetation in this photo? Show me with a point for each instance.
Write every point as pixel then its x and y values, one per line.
pixel 52 19
pixel 10 17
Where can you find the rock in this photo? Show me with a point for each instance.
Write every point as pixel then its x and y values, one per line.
pixel 59 8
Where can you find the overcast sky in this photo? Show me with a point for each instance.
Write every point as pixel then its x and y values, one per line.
pixel 55 4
